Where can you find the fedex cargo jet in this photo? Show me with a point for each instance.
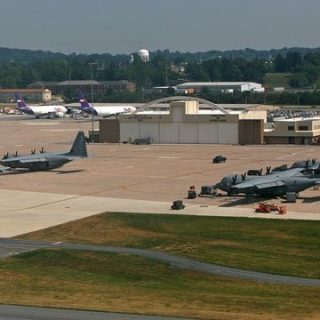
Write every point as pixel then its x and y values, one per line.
pixel 39 111
pixel 103 111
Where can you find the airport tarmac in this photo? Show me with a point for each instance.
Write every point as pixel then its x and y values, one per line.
pixel 122 177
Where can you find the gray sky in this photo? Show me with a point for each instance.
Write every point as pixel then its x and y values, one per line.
pixel 124 26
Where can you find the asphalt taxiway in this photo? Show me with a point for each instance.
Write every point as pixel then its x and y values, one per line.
pixel 11 312
pixel 9 247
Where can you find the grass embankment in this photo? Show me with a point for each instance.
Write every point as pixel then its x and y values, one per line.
pixel 101 281
pixel 286 247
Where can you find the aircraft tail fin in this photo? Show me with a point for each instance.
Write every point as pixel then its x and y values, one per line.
pixel 84 104
pixel 79 148
pixel 20 102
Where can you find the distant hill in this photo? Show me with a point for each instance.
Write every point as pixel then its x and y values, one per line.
pixel 23 55
pixel 29 56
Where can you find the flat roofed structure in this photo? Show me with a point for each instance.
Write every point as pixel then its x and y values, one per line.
pixel 294 131
pixel 32 95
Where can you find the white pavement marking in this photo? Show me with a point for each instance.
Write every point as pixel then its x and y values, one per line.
pixel 167 157
pixel 286 156
pixel 60 130
pixel 22 211
pixel 41 123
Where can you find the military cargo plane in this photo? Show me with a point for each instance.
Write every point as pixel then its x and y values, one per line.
pixel 276 183
pixel 273 186
pixel 45 160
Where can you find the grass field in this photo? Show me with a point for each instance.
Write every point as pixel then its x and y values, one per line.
pixel 101 281
pixel 274 80
pixel 286 247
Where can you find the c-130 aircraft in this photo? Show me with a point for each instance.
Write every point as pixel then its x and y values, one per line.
pixel 47 160
pixel 299 177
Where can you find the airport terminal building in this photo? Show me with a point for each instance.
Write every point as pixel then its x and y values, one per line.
pixel 185 123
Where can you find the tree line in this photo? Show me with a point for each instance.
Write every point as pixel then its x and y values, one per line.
pixel 19 68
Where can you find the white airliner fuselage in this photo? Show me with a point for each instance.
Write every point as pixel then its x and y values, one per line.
pixel 106 111
pixel 38 111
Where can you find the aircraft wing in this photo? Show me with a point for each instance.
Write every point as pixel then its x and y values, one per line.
pixel 258 185
pixel 289 172
pixel 270 184
pixel 32 160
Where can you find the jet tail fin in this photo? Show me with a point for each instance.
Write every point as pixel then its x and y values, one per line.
pixel 20 102
pixel 83 102
pixel 85 105
pixel 79 148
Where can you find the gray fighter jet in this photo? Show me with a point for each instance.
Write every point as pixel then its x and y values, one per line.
pixel 44 160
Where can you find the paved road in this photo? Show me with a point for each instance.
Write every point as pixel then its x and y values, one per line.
pixel 12 246
pixel 31 313
pixel 9 247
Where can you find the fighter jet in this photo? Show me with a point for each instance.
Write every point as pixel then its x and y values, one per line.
pixel 45 160
pixel 276 183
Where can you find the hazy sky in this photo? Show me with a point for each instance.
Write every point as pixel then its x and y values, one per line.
pixel 124 26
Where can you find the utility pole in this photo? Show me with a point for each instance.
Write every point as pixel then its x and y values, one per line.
pixel 92 65
pixel 166 74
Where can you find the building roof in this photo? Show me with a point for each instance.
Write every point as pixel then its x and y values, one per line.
pixel 13 91
pixel 43 83
pixel 297 119
pixel 125 82
pixel 79 83
pixel 200 112
pixel 217 84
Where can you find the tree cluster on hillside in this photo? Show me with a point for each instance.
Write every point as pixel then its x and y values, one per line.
pixel 305 69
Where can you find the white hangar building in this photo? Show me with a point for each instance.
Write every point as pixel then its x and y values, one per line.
pixel 229 87
pixel 184 123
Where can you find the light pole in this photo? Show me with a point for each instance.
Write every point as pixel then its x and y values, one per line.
pixel 92 65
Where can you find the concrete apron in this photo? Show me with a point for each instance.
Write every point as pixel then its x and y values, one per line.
pixel 23 212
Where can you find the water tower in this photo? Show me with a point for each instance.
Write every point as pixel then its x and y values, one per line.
pixel 144 55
